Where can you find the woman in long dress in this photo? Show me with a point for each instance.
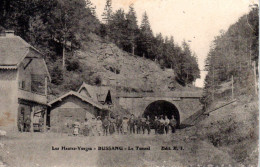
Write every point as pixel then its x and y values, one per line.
pixel 112 128
pixel 76 128
pixel 92 126
pixel 99 126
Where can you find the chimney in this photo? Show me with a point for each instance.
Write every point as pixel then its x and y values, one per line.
pixel 9 33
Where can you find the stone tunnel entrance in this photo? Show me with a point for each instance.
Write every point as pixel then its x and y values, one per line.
pixel 162 107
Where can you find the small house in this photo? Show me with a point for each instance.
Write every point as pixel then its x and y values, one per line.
pixel 100 94
pixel 24 79
pixel 71 107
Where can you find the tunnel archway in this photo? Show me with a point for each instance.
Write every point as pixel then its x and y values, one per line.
pixel 162 107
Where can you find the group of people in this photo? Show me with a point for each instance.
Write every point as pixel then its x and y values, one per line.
pixel 24 124
pixel 133 125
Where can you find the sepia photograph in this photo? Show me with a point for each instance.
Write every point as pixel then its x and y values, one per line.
pixel 129 83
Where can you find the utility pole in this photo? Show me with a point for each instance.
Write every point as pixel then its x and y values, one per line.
pixel 45 109
pixel 32 119
pixel 63 58
pixel 213 87
pixel 232 80
pixel 255 77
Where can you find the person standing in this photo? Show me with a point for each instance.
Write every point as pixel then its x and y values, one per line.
pixel 147 124
pixel 41 123
pixel 92 129
pixel 166 124
pixel 86 127
pixel 119 123
pixel 161 125
pixel 20 124
pixel 143 120
pixel 138 125
pixel 131 124
pixel 99 126
pixel 156 124
pixel 105 125
pixel 125 125
pixel 112 125
pixel 173 124
pixel 27 123
pixel 76 128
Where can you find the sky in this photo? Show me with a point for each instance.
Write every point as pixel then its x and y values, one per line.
pixel 196 21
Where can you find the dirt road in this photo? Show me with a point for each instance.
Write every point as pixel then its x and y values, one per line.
pixel 33 150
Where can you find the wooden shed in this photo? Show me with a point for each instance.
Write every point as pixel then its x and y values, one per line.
pixel 72 106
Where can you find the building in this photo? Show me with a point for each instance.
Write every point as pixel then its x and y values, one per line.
pixel 100 94
pixel 24 79
pixel 71 107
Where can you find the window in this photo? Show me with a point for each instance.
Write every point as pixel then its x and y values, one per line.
pixel 22 84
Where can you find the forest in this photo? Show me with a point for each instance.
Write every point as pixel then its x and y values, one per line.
pixel 59 27
pixel 234 56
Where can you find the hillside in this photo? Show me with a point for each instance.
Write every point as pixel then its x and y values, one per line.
pixel 233 129
pixel 103 63
pixel 233 56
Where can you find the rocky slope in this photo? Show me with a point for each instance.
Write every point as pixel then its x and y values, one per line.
pixel 101 62
pixel 116 67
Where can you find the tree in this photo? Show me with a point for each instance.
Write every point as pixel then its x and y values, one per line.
pixel 145 37
pixel 67 24
pixel 107 14
pixel 91 7
pixel 187 70
pixel 132 28
pixel 231 55
pixel 158 46
pixel 117 26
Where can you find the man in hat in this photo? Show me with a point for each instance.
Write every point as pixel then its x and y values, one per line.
pixel 166 124
pixel 147 124
pixel 173 124
pixel 112 126
pixel 131 124
pixel 161 125
pixel 119 122
pixel 138 125
pixel 156 124
pixel 143 120
pixel 86 127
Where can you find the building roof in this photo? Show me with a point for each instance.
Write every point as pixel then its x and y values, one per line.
pixel 90 89
pixel 76 94
pixel 102 92
pixel 13 50
pixel 97 93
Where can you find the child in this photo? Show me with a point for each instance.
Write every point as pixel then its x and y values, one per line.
pixel 76 128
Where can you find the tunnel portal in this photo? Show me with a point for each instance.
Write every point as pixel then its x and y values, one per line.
pixel 162 107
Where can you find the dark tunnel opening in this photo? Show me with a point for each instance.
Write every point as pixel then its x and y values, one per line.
pixel 162 107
